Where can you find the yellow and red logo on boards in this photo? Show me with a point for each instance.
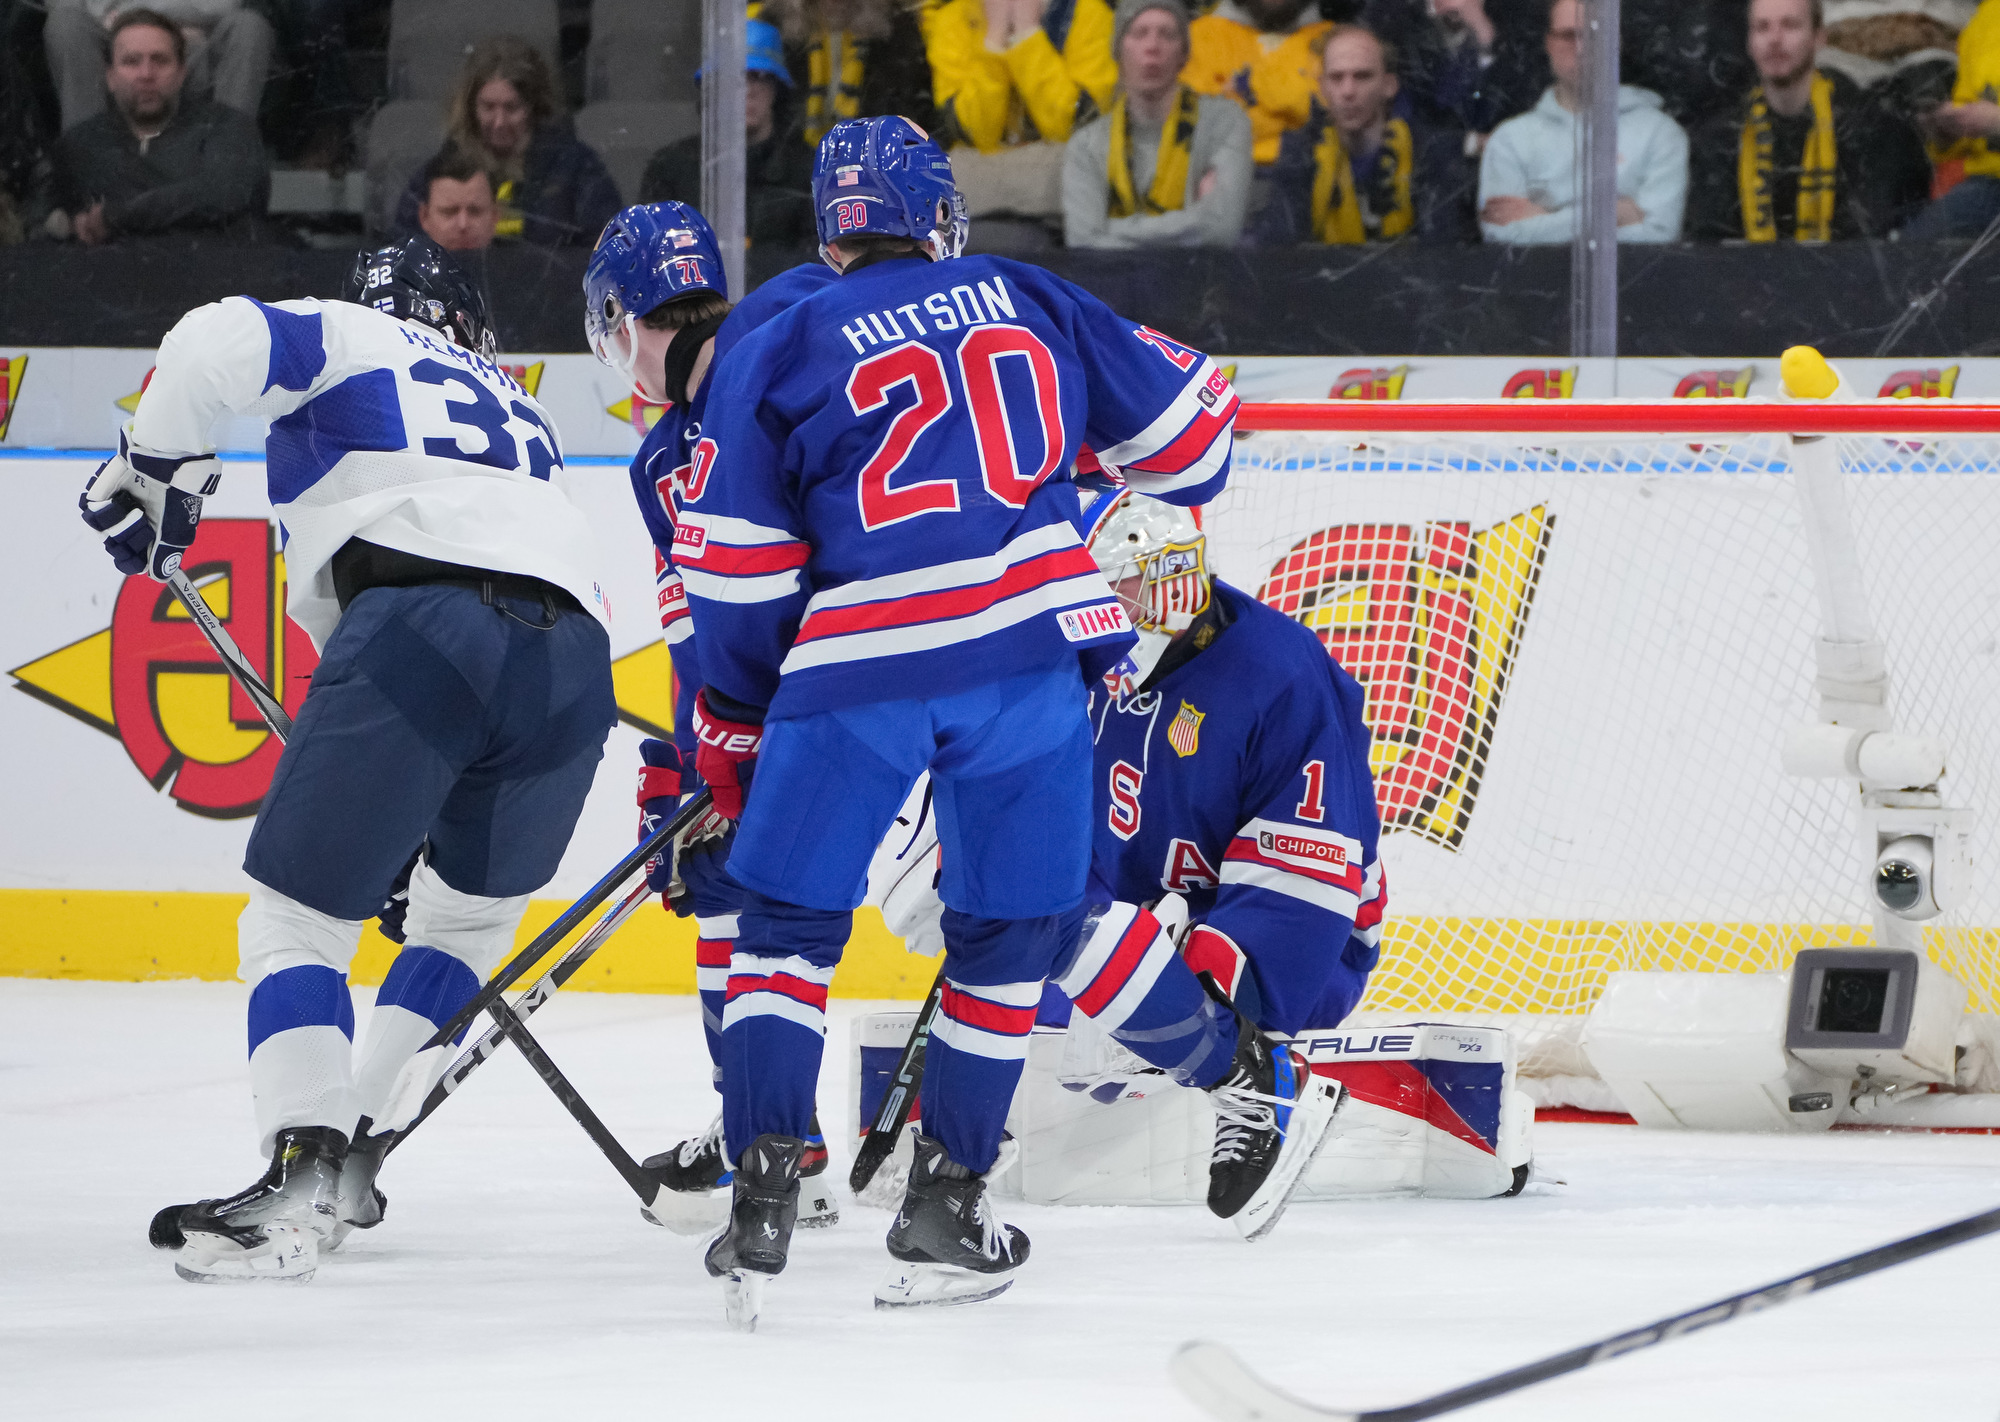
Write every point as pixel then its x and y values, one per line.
pixel 1556 383
pixel 151 681
pixel 12 369
pixel 1716 384
pixel 637 411
pixel 1370 383
pixel 1427 617
pixel 1931 384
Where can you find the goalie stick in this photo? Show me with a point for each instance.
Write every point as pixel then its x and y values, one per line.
pixel 878 1143
pixel 1217 1380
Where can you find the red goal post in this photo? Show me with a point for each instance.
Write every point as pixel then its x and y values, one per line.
pixel 1638 419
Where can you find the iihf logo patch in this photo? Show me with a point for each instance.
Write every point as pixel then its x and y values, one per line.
pixel 1184 731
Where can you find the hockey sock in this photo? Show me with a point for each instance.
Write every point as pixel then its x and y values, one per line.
pixel 301 1042
pixel 423 990
pixel 774 1017
pixel 714 944
pixel 1128 977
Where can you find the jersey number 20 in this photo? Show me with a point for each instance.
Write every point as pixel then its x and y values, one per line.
pixel 979 356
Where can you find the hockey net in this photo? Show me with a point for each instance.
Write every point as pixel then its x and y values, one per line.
pixel 1582 652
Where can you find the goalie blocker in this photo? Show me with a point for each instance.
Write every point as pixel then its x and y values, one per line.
pixel 1431 1110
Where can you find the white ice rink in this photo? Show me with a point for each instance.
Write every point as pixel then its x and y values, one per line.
pixel 513 1277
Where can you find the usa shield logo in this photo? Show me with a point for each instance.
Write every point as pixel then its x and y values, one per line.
pixel 1184 731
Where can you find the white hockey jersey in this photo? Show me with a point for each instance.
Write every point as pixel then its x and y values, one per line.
pixel 380 429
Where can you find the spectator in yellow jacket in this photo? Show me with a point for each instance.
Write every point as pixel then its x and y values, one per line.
pixel 1260 53
pixel 1009 72
pixel 1972 118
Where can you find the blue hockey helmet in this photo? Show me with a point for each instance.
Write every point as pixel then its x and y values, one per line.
pixel 417 280
pixel 646 256
pixel 885 175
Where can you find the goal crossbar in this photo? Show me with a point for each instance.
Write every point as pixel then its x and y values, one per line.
pixel 1634 418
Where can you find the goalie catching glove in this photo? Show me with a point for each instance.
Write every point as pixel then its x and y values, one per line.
pixel 148 506
pixel 660 773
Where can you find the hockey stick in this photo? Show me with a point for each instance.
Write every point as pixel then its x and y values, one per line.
pixel 525 1007
pixel 1218 1382
pixel 233 659
pixel 879 1143
pixel 575 914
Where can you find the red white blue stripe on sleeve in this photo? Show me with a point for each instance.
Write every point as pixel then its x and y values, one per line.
pixel 790 988
pixel 1315 866
pixel 1040 571
pixel 1181 453
pixel 728 559
pixel 675 623
pixel 1118 966
pixel 988 1020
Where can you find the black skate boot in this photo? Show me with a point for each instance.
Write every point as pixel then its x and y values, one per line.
pixel 274 1229
pixel 1271 1118
pixel 948 1246
pixel 361 1204
pixel 818 1208
pixel 694 1179
pixel 763 1208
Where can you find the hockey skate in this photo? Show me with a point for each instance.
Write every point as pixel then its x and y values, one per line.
pixel 948 1246
pixel 1271 1118
pixel 271 1231
pixel 693 1198
pixel 763 1208
pixel 361 1204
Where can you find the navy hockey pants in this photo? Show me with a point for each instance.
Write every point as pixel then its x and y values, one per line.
pixel 1011 765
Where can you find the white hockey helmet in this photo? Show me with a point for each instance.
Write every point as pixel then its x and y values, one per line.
pixel 1159 544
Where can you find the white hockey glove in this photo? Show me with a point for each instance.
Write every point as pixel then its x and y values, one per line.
pixel 903 876
pixel 148 506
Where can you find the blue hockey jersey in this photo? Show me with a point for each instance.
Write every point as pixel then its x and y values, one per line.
pixel 1240 781
pixel 662 464
pixel 880 505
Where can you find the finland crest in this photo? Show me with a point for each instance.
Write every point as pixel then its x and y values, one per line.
pixel 1184 731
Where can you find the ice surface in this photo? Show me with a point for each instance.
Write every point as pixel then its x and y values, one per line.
pixel 514 1278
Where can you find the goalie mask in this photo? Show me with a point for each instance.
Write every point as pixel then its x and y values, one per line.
pixel 1155 557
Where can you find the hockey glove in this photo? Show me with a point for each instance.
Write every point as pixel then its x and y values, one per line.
pixel 148 506
pixel 659 796
pixel 725 756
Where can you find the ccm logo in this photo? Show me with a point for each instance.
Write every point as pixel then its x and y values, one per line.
pixel 689 540
pixel 1298 847
pixel 1087 622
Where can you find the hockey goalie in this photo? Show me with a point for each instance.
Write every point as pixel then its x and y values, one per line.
pixel 1235 894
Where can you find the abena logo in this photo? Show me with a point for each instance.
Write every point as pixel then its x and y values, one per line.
pixel 1099 621
pixel 1299 847
pixel 689 540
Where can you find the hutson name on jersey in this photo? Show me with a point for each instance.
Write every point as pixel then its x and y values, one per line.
pixel 975 305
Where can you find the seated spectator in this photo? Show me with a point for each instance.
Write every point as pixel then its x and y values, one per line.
pixel 227 44
pixel 877 48
pixel 1528 183
pixel 1463 71
pixel 777 167
pixel 1167 167
pixel 1971 124
pixel 458 211
pixel 553 190
pixel 1357 172
pixel 1809 158
pixel 160 160
pixel 1009 72
pixel 1260 53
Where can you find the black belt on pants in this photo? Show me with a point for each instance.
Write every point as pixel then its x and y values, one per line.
pixel 360 565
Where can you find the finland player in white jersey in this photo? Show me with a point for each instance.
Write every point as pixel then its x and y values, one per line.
pixel 461 701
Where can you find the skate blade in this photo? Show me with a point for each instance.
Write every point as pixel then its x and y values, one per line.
pixel 687 1213
pixel 1311 1127
pixel 937 1286
pixel 743 1298
pixel 288 1256
pixel 818 1208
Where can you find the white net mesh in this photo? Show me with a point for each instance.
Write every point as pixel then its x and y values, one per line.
pixel 1581 663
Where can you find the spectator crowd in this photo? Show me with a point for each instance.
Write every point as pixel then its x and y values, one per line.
pixel 1151 123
